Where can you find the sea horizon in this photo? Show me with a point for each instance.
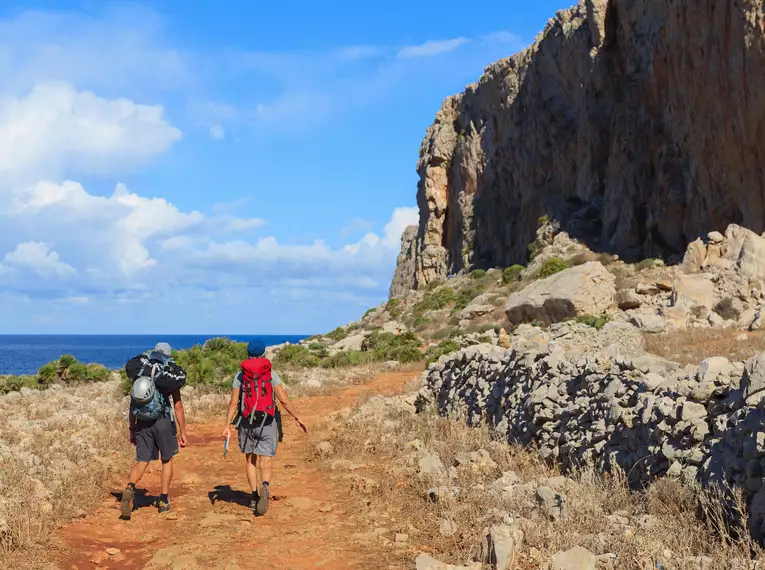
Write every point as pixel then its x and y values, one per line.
pixel 22 354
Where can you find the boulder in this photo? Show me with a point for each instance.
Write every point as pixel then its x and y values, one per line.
pixel 474 311
pixel 753 380
pixel 394 327
pixel 690 291
pixel 628 299
pixel 352 342
pixel 650 323
pixel 577 558
pixel 695 256
pixel 585 289
pixel 504 543
pixel 431 465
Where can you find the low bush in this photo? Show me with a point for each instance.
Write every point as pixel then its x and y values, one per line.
pixel 594 321
pixel 512 274
pixel 444 347
pixel 394 307
pixel 338 334
pixel 435 300
pixel 384 346
pixel 68 370
pixel 478 274
pixel 552 266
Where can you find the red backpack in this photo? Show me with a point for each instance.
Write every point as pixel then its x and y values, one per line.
pixel 257 393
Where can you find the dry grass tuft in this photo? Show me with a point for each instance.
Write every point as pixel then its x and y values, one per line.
pixel 383 442
pixel 693 345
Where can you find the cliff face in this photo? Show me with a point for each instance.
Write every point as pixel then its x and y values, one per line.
pixel 635 124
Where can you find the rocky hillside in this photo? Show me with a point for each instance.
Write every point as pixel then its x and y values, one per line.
pixel 635 125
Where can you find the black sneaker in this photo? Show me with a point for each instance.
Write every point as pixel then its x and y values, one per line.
pixel 164 506
pixel 127 504
pixel 262 505
pixel 253 504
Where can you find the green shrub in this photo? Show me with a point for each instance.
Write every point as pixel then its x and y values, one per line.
pixel 16 383
pixel 68 370
pixel 648 264
pixel 369 312
pixel 435 300
pixel 385 346
pixel 542 220
pixel 552 266
pixel 434 284
pixel 512 274
pixel 338 334
pixel 296 355
pixel 394 307
pixel 346 358
pixel 445 347
pixel 597 322
pixel 478 274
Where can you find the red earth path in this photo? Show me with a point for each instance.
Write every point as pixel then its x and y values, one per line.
pixel 310 524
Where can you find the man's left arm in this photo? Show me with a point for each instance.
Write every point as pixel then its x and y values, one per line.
pixel 180 417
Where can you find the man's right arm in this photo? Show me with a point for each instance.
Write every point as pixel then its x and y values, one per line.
pixel 231 412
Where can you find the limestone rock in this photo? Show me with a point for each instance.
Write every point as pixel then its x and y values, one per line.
pixel 581 290
pixel 529 139
pixel 352 342
pixel 403 278
pixel 431 465
pixel 504 544
pixel 552 504
pixel 693 291
pixel 628 299
pixel 753 380
pixel 577 558
pixel 650 323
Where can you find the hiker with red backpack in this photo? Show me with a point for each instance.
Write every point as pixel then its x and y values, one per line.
pixel 252 409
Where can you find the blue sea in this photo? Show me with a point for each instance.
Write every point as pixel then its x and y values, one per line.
pixel 25 354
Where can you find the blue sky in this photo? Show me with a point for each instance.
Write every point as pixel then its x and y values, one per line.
pixel 206 167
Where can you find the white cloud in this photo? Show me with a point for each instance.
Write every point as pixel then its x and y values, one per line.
pixel 433 47
pixel 56 129
pixel 217 132
pixel 38 257
pixel 356 225
pixel 503 37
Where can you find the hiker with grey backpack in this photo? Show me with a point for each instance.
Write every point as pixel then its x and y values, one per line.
pixel 252 409
pixel 157 419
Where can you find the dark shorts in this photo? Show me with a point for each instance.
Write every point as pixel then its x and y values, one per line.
pixel 155 440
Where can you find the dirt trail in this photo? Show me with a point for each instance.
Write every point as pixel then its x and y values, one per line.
pixel 309 524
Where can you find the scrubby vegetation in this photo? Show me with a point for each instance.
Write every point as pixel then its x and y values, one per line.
pixel 512 274
pixel 434 300
pixel 552 266
pixel 444 347
pixel 394 308
pixel 478 274
pixel 595 321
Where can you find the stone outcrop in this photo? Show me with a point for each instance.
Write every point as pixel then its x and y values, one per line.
pixel 596 125
pixel 584 290
pixel 648 416
pixel 403 278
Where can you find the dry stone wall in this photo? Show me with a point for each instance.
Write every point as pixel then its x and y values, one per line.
pixel 601 405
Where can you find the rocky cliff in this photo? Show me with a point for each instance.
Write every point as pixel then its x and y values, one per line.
pixel 635 125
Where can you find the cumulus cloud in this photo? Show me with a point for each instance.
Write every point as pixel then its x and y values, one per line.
pixel 38 258
pixel 55 129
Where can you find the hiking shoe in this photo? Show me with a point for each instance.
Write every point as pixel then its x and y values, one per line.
pixel 164 507
pixel 127 504
pixel 253 505
pixel 262 505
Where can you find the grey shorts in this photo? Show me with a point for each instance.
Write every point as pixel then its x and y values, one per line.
pixel 257 440
pixel 155 440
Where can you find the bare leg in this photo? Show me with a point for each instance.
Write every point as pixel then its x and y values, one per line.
pixel 252 472
pixel 266 468
pixel 137 472
pixel 167 475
